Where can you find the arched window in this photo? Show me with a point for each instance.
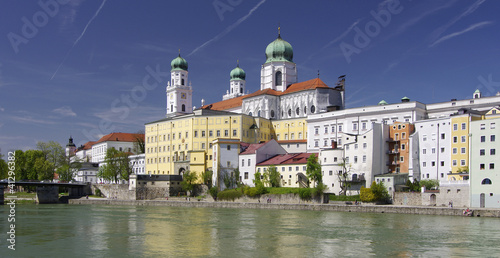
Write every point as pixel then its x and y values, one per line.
pixel 241 89
pixel 313 108
pixel 183 108
pixel 272 113
pixel 289 112
pixel 297 111
pixel 277 78
pixel 305 110
pixel 258 113
pixel 182 81
pixel 486 181
pixel 250 114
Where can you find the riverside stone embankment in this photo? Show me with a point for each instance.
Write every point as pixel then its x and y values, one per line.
pixel 367 208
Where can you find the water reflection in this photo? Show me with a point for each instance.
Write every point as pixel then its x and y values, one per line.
pixel 129 231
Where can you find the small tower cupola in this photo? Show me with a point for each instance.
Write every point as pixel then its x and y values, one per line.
pixel 477 94
pixel 236 83
pixel 70 147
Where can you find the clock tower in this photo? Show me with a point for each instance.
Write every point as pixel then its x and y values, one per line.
pixel 179 93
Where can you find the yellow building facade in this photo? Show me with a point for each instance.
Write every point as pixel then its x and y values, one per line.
pixel 460 145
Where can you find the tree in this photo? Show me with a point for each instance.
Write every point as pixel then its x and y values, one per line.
pixel 139 143
pixel 429 183
pixel 343 176
pixel 20 169
pixel 4 169
pixel 236 177
pixel 188 180
pixel 117 165
pixel 206 177
pixel 272 176
pixel 53 152
pixel 228 180
pixel 376 193
pixel 313 170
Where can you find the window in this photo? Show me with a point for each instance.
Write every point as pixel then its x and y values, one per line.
pixel 424 138
pixel 433 150
pixel 455 139
pixel 195 133
pixel 356 146
pixel 355 159
pixel 364 158
pixel 481 152
pixel 218 133
pixel 278 78
pixel 313 109
pixel 433 163
pixel 455 150
pixel 316 130
pixel 442 163
pixel 246 175
pixel 340 128
pixel 326 129
pixel 482 126
pixel 481 166
pixel 463 138
pixel 403 146
pixel 316 143
pixel 235 133
pixel 464 126
pixel 355 126
pixel 402 159
pixel 226 133
pixel 403 135
pixel 462 150
pixel 492 125
pixel 364 145
pixel 424 151
pixel 424 164
pixel 462 162
pixel 483 138
pixel 202 146
pixel 202 133
pixel 363 126
pixel 242 162
pixel 492 138
pixel 492 165
pixel 443 136
pixel 492 151
pixel 454 162
pixel 486 181
pixel 455 127
pixel 442 150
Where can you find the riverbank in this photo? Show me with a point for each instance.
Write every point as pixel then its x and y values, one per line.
pixel 364 208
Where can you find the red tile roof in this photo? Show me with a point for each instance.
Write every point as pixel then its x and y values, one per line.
pixel 86 146
pixel 252 148
pixel 120 137
pixel 295 158
pixel 237 102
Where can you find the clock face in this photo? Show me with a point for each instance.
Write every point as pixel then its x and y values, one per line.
pixel 171 96
pixel 183 95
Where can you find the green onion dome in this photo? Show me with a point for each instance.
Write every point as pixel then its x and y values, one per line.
pixel 237 73
pixel 179 63
pixel 279 50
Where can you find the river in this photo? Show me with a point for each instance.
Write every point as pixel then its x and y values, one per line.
pixel 151 231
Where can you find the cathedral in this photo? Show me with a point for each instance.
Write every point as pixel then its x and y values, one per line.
pixel 280 96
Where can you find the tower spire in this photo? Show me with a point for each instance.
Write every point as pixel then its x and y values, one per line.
pixel 279 30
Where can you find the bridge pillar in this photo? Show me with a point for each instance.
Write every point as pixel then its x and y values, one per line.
pixel 1 195
pixel 47 194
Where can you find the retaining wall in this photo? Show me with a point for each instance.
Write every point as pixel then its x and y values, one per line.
pixel 317 207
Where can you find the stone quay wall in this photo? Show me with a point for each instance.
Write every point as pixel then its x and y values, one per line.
pixel 445 211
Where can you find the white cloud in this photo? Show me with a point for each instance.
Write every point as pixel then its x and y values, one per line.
pixel 64 111
pixel 2 109
pixel 456 34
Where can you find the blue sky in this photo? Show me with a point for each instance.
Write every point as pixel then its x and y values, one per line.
pixel 88 68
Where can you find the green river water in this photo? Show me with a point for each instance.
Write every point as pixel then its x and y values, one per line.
pixel 138 231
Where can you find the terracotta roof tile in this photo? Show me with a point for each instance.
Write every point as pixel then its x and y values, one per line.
pixel 120 137
pixel 295 158
pixel 252 148
pixel 237 102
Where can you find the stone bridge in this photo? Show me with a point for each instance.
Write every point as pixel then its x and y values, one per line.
pixel 47 192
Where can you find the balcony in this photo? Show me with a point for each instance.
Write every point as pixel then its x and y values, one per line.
pixel 390 152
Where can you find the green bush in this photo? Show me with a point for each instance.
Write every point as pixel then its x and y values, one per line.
pixel 344 198
pixel 366 195
pixel 98 192
pixel 214 191
pixel 305 193
pixel 229 195
pixel 376 193
pixel 255 191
